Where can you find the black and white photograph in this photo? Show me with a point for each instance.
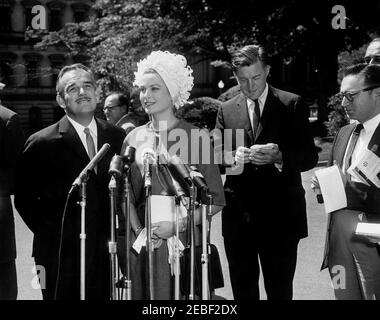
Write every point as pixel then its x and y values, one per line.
pixel 202 152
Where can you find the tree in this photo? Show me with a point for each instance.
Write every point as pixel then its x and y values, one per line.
pixel 122 32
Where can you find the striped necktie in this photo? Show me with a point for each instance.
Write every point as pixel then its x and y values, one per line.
pixel 256 116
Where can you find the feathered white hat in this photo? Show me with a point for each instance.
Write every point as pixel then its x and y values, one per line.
pixel 173 70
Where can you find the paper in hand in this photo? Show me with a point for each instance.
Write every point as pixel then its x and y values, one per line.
pixel 263 148
pixel 368 229
pixel 366 169
pixel 332 188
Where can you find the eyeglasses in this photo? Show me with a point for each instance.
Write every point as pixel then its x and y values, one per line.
pixel 350 95
pixel 111 108
pixel 373 59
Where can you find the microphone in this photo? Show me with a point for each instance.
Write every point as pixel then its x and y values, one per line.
pixel 173 183
pixel 94 161
pixel 116 166
pixel 198 178
pixel 129 155
pixel 190 174
pixel 148 158
pixel 178 168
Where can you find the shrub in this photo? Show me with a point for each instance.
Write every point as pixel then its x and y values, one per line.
pixel 200 111
pixel 337 115
pixel 230 93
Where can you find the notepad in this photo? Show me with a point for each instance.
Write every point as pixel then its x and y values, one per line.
pixel 368 229
pixel 332 188
pixel 163 209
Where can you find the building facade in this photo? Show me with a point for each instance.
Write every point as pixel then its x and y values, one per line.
pixel 29 75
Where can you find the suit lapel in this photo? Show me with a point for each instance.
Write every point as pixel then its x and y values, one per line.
pixel 71 139
pixel 244 121
pixel 342 146
pixel 269 112
pixel 104 136
pixel 375 141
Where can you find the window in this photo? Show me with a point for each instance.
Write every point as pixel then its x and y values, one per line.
pixel 55 15
pixel 32 74
pixel 28 5
pixel 5 16
pixel 55 20
pixel 5 72
pixel 56 63
pixel 32 69
pixel 81 12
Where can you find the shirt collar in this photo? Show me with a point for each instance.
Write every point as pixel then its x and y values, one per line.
pixel 371 124
pixel 79 128
pixel 262 98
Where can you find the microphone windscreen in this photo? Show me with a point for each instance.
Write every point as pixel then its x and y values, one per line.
pixel 116 166
pixel 129 155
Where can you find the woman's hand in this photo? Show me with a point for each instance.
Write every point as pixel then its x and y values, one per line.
pixel 163 229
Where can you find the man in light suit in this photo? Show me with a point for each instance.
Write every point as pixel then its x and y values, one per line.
pixel 353 261
pixel 265 214
pixel 11 143
pixel 51 160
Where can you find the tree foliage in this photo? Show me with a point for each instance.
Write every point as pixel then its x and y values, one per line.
pixel 201 112
pixel 119 33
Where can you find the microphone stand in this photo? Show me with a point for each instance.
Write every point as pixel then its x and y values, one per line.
pixel 83 238
pixel 127 282
pixel 148 224
pixel 177 255
pixel 206 221
pixel 112 247
pixel 193 196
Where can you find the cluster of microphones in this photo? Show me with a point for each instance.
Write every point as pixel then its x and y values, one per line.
pixel 172 169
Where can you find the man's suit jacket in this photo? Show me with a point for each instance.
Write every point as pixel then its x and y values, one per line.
pixel 273 200
pixel 359 196
pixel 51 160
pixel 11 143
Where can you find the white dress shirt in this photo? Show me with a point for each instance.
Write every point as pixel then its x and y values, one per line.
pixel 251 104
pixel 365 136
pixel 80 130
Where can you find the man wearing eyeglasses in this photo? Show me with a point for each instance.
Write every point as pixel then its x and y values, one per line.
pixel 353 258
pixel 116 107
pixel 372 55
pixel 51 160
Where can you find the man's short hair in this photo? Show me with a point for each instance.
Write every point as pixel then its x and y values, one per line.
pixel 123 98
pixel 75 66
pixel 249 55
pixel 369 72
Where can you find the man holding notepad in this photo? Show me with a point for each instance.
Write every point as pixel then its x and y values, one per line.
pixel 351 250
pixel 265 213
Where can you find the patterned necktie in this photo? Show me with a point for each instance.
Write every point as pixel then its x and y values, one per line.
pixel 256 116
pixel 90 144
pixel 351 146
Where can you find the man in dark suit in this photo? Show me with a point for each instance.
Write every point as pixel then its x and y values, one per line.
pixel 51 160
pixel 353 261
pixel 372 54
pixel 116 108
pixel 11 142
pixel 265 214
